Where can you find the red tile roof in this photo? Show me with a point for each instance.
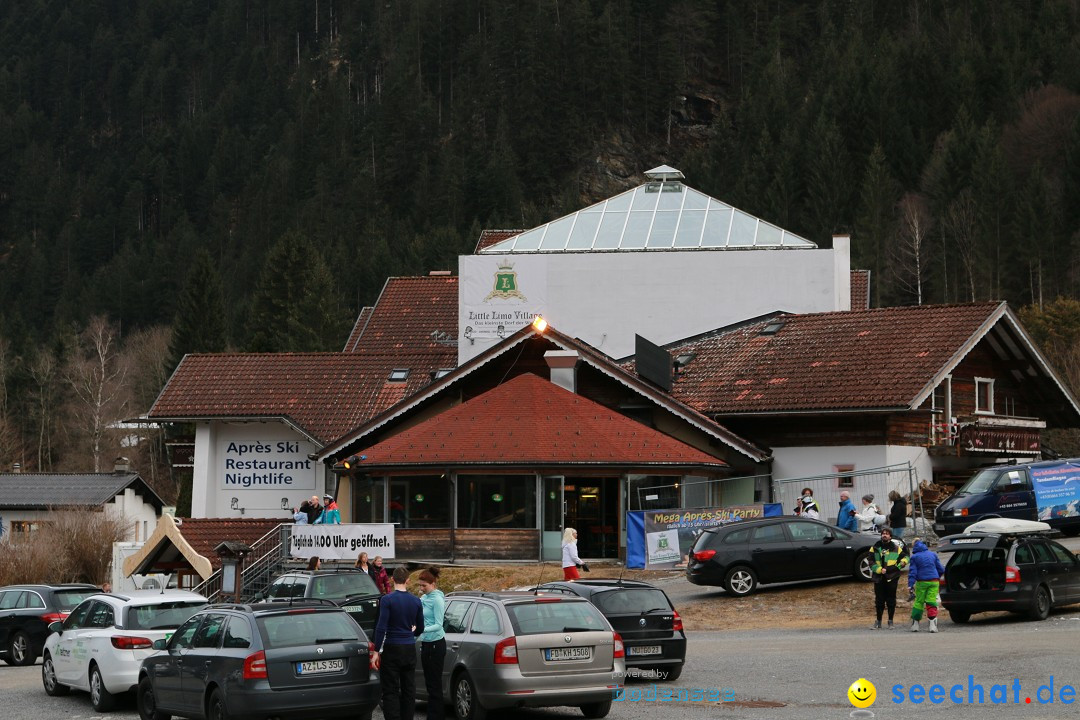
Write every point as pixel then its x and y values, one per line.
pixel 491 237
pixel 413 326
pixel 205 534
pixel 530 421
pixel 860 289
pixel 358 330
pixel 868 359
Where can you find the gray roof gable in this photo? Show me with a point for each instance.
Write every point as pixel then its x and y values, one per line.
pixel 43 490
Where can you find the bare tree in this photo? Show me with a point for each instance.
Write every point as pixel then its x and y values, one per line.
pixel 961 223
pixel 146 355
pixel 97 378
pixel 909 256
pixel 43 370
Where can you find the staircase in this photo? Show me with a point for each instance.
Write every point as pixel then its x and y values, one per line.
pixel 268 557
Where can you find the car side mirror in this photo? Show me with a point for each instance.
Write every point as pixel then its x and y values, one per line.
pixel 159 644
pixel 830 537
pixel 56 626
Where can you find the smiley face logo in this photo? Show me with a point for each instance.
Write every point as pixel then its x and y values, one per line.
pixel 862 693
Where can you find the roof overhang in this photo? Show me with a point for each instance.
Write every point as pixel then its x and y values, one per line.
pixel 283 419
pixel 166 545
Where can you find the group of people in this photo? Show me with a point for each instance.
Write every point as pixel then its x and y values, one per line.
pixel 866 519
pixel 312 512
pixel 403 618
pixel 374 568
pixel 924 568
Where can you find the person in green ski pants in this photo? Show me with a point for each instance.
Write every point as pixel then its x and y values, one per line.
pixel 925 571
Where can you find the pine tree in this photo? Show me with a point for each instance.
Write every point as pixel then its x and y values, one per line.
pixel 199 325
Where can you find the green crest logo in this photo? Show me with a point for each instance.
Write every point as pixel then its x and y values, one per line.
pixel 663 543
pixel 506 285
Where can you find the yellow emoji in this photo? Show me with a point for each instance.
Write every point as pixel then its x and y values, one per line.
pixel 862 693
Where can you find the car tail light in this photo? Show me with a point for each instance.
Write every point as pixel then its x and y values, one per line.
pixel 1012 574
pixel 704 555
pixel 620 649
pixel 48 618
pixel 255 666
pixel 676 623
pixel 371 656
pixel 128 642
pixel 300 612
pixel 506 652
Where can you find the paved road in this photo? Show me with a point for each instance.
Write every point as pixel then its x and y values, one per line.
pixel 788 674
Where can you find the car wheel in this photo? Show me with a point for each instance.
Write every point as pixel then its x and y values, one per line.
pixel 19 652
pixel 596 709
pixel 466 702
pixel 864 566
pixel 215 709
pixel 740 581
pixel 671 674
pixel 146 702
pixel 48 678
pixel 959 616
pixel 100 698
pixel 1040 604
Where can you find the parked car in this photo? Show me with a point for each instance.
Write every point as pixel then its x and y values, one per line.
pixel 1018 568
pixel 301 659
pixel 1047 491
pixel 741 555
pixel 100 646
pixel 642 614
pixel 522 649
pixel 26 612
pixel 350 588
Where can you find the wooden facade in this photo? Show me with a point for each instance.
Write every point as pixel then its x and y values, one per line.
pixel 468 544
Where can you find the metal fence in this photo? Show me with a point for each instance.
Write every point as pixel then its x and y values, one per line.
pixel 692 494
pixel 877 482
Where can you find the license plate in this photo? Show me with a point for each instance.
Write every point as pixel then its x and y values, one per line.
pixel 644 650
pixel 574 653
pixel 939 528
pixel 353 609
pixel 316 667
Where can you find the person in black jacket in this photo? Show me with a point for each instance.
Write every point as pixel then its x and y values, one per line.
pixel 897 514
pixel 401 621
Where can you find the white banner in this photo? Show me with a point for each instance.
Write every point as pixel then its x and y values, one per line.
pixel 342 542
pixel 497 296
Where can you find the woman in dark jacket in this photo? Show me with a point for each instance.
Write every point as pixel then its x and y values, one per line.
pixel 897 514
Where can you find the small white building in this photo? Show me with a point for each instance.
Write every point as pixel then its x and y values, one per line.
pixel 28 500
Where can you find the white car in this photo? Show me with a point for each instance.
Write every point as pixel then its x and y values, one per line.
pixel 100 646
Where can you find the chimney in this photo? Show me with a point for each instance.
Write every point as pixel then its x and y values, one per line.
pixel 16 467
pixel 121 465
pixel 563 364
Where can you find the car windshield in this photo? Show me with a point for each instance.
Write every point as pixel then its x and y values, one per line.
pixel 307 628
pixel 631 600
pixel 66 600
pixel 161 616
pixel 982 482
pixel 537 618
pixel 339 587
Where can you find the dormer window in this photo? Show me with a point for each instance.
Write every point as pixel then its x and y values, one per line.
pixel 984 396
pixel 399 374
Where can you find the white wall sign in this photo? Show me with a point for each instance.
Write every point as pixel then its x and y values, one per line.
pixel 342 542
pixel 499 296
pixel 265 457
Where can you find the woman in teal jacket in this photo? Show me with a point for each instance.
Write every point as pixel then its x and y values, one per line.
pixel 433 641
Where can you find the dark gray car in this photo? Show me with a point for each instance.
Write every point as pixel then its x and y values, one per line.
pixel 506 650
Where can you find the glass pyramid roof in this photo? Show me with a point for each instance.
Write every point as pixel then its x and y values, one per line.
pixel 662 214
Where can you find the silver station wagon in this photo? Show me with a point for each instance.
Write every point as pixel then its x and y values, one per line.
pixel 518 649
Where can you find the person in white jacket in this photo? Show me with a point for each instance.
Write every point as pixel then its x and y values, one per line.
pixel 570 560
pixel 867 514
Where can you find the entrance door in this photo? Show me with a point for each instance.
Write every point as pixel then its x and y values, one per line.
pixel 552 509
pixel 592 508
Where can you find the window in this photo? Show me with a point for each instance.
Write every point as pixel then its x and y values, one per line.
pixel 210 632
pixel 293 630
pixel 1063 555
pixel 984 396
pixel 485 620
pixel 1042 553
pixel 399 374
pixel 454 618
pixel 807 532
pixel 162 616
pixel 10 600
pixel 342 587
pixel 281 589
pixel 77 618
pixel 182 637
pixel 497 501
pixel 842 480
pixel 540 618
pixel 27 526
pixel 636 601
pixel 100 616
pixel 420 502
pixel 769 534
pixel 1024 556
pixel 33 600
pixel 238 633
pixel 67 599
pixel 736 537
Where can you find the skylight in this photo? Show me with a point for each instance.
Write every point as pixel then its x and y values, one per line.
pixel 399 375
pixel 661 214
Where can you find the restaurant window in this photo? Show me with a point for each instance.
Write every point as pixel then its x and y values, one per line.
pixel 496 501
pixel 842 480
pixel 984 396
pixel 420 502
